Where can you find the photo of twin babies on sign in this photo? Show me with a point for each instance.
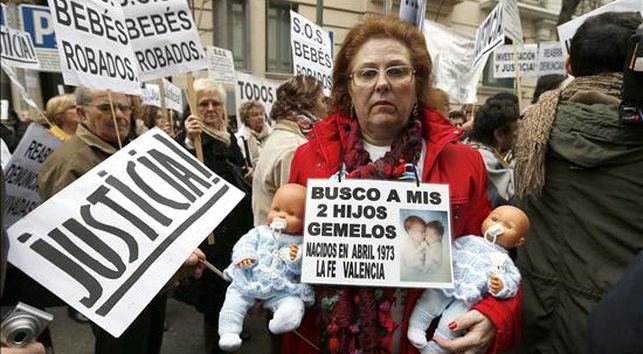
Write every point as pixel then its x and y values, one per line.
pixel 425 246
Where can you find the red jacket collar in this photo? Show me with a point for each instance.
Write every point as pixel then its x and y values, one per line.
pixel 331 133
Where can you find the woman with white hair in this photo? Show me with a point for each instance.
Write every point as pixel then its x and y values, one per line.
pixel 222 155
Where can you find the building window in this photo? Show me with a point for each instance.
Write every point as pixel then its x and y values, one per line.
pixel 489 80
pixel 231 30
pixel 278 50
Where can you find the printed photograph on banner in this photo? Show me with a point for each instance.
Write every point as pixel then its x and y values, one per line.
pixel 380 233
pixel 424 247
pixel 108 242
pixel 88 57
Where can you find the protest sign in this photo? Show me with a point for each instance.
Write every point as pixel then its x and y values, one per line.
pixel 21 173
pixel 413 11
pixel 551 58
pixel 94 45
pixel 452 56
pixel 4 109
pixel 489 35
pixel 107 243
pixel 173 96
pixel 511 21
pixel 356 234
pixel 567 30
pixel 36 20
pixel 312 51
pixel 16 49
pixel 221 67
pixel 151 95
pixel 250 87
pixel 21 90
pixel 504 63
pixel 164 37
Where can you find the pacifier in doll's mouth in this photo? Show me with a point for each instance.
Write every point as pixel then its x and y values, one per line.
pixel 278 224
pixel 492 233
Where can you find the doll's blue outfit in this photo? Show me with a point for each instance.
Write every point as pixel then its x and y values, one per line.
pixel 474 260
pixel 273 277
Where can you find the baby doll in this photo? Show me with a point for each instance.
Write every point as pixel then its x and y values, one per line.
pixel 266 265
pixel 480 265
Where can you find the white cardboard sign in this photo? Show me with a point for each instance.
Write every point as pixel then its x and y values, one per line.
pixel 452 54
pixel 221 67
pixel 173 96
pixel 312 51
pixel 21 89
pixel 511 18
pixel 250 87
pixel 567 30
pixel 95 54
pixel 4 109
pixel 489 35
pixel 504 64
pixel 551 58
pixel 151 95
pixel 21 173
pixel 164 37
pixel 413 11
pixel 16 49
pixel 107 243
pixel 356 234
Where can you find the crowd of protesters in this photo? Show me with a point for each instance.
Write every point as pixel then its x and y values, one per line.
pixel 567 160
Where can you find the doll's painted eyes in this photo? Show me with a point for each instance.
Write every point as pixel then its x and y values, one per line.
pixel 493 218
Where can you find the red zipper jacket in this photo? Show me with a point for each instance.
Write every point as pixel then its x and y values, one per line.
pixel 447 161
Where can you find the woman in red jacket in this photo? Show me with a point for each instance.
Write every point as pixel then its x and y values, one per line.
pixel 382 123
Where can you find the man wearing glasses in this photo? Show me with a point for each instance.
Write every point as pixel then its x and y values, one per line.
pixel 96 139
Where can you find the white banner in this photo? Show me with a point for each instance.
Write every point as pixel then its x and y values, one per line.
pixel 504 64
pixel 16 49
pixel 151 95
pixel 94 46
pixel 250 87
pixel 4 109
pixel 511 21
pixel 551 58
pixel 413 11
pixel 108 243
pixel 221 67
pixel 376 234
pixel 164 37
pixel 452 56
pixel 21 173
pixel 21 90
pixel 312 51
pixel 173 96
pixel 567 30
pixel 489 35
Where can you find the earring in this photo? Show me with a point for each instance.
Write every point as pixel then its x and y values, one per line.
pixel 415 112
pixel 352 111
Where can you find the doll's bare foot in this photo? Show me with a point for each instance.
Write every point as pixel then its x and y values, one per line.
pixel 229 342
pixel 417 337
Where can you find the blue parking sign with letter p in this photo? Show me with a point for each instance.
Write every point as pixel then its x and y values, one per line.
pixel 36 20
pixel 3 15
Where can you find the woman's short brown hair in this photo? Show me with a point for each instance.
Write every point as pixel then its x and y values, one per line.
pixel 381 27
pixel 296 95
pixel 244 110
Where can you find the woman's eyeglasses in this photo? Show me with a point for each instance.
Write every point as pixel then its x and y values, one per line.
pixel 396 75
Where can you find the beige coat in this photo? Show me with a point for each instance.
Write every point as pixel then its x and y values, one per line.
pixel 71 160
pixel 273 167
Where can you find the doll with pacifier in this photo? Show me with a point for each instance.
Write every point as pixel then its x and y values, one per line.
pixel 266 266
pixel 481 265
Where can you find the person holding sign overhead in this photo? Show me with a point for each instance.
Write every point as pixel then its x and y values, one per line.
pixel 222 155
pixel 97 139
pixel 385 121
